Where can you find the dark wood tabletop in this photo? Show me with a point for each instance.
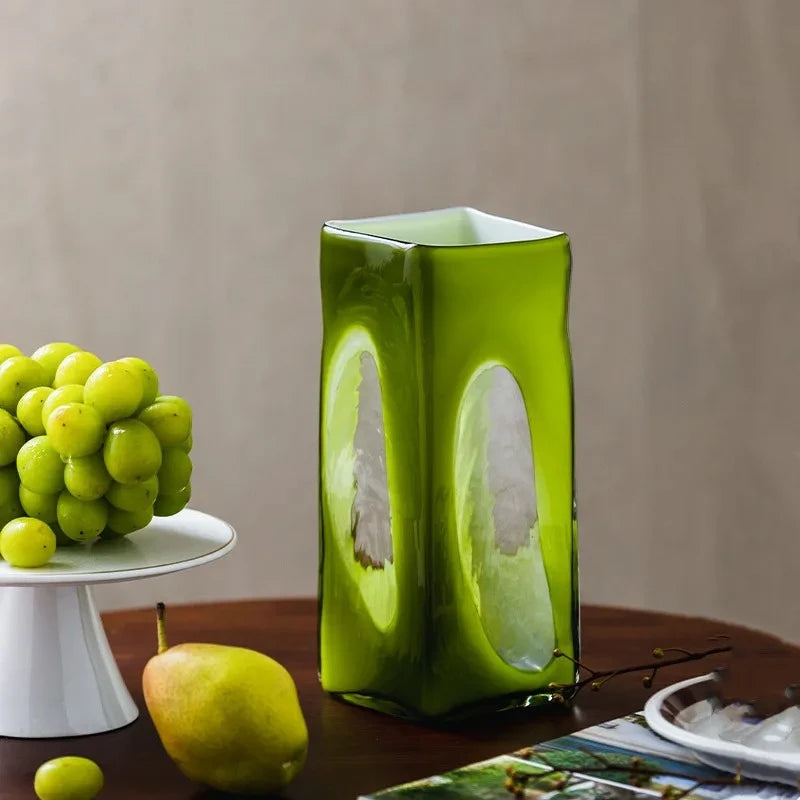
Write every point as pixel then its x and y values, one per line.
pixel 353 750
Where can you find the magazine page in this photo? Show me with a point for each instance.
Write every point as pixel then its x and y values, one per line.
pixel 587 758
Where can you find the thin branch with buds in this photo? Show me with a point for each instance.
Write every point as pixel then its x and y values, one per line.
pixel 596 678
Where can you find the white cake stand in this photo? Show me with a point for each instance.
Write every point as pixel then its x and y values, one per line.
pixel 57 674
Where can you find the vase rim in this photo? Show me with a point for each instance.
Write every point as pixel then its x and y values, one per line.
pixel 457 226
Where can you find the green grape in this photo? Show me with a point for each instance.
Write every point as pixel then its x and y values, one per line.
pixel 186 444
pixel 40 506
pixel 114 390
pixel 131 452
pixel 81 520
pixel 168 504
pixel 170 419
pixel 8 351
pixel 12 437
pixel 75 429
pixel 40 467
pixel 50 357
pixel 29 409
pixel 133 496
pixel 121 523
pixel 148 377
pixel 76 368
pixel 68 778
pixel 87 477
pixel 175 472
pixel 173 398
pixel 71 393
pixel 11 510
pixel 10 506
pixel 9 483
pixel 62 540
pixel 27 542
pixel 17 375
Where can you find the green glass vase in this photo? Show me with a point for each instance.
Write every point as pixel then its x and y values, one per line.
pixel 448 552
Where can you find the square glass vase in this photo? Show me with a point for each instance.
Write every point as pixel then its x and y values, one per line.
pixel 448 551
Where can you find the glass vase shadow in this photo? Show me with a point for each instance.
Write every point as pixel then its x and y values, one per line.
pixel 448 568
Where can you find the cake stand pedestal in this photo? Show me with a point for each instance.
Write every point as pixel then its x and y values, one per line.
pixel 58 676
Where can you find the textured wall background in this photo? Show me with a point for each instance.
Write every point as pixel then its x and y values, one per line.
pixel 165 166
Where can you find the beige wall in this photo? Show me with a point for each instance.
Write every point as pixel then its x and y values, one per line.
pixel 165 166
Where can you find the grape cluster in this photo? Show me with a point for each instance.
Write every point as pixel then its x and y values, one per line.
pixel 87 449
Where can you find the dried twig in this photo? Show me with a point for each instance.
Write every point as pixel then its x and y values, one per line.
pixel 596 678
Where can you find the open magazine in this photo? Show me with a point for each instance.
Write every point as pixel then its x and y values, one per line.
pixel 617 741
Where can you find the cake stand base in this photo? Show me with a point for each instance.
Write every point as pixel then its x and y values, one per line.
pixel 57 674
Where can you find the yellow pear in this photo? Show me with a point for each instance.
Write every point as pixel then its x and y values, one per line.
pixel 229 717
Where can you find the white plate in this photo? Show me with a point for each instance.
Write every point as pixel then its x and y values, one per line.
pixel 167 544
pixel 685 714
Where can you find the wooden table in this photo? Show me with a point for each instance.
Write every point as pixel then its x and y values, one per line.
pixel 353 750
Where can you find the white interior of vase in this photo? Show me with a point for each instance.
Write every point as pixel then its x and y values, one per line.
pixel 446 227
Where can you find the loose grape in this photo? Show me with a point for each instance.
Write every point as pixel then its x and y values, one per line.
pixel 68 778
pixel 121 523
pixel 186 444
pixel 168 504
pixel 40 467
pixel 81 520
pixel 170 419
pixel 50 357
pixel 29 409
pixel 76 368
pixel 8 351
pixel 40 506
pixel 27 542
pixel 17 375
pixel 131 451
pixel 87 477
pixel 71 393
pixel 75 430
pixel 12 437
pixel 114 390
pixel 133 496
pixel 175 472
pixel 148 377
pixel 9 483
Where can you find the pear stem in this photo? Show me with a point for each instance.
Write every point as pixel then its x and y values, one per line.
pixel 161 611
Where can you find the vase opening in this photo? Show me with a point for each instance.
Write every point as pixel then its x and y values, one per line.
pixel 446 227
pixel 497 520
pixel 357 479
pixel 371 522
